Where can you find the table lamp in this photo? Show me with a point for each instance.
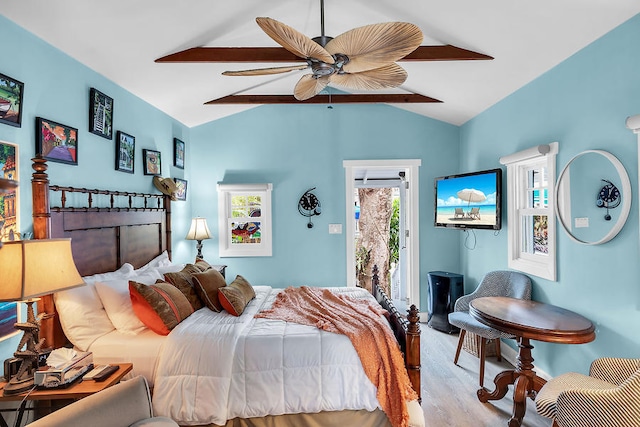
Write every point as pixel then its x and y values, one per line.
pixel 199 231
pixel 28 270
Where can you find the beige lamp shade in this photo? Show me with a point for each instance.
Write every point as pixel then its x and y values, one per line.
pixel 199 230
pixel 32 268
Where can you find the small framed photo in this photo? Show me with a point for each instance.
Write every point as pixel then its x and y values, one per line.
pixel 152 162
pixel 56 142
pixel 125 152
pixel 100 114
pixel 181 193
pixel 178 153
pixel 11 94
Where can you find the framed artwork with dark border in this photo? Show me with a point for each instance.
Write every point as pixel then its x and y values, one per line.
pixel 11 94
pixel 100 114
pixel 56 142
pixel 181 192
pixel 125 152
pixel 178 153
pixel 9 229
pixel 152 162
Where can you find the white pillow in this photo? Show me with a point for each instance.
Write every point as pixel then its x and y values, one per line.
pixel 161 260
pixel 114 295
pixel 122 272
pixel 82 315
pixel 171 268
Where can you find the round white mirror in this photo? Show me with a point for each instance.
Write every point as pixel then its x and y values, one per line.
pixel 593 197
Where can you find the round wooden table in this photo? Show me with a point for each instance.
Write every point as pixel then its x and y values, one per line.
pixel 527 320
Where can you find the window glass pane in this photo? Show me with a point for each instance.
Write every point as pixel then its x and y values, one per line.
pixel 245 231
pixel 534 238
pixel 246 206
pixel 537 192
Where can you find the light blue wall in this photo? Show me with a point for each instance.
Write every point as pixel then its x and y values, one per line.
pixel 582 103
pixel 57 88
pixel 299 147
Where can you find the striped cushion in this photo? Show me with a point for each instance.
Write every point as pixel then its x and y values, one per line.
pixel 614 370
pixel 547 398
pixel 464 321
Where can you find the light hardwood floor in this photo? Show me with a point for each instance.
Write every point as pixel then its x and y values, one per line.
pixel 449 391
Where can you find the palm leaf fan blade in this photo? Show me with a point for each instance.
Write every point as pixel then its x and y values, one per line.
pixel 376 45
pixel 309 86
pixel 389 76
pixel 264 71
pixel 293 40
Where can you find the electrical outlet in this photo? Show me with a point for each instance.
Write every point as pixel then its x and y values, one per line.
pixel 335 228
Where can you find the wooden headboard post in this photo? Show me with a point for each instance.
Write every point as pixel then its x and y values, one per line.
pixel 166 204
pixel 50 328
pixel 40 196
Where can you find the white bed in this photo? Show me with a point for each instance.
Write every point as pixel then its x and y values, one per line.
pixel 214 367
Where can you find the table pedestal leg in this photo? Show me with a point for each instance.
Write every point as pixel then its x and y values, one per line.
pixel 526 383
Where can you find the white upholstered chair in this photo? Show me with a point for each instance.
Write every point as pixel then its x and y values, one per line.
pixel 608 397
pixel 499 283
pixel 127 404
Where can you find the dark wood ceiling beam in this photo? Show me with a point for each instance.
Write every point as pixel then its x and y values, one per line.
pixel 232 54
pixel 279 54
pixel 444 53
pixel 325 99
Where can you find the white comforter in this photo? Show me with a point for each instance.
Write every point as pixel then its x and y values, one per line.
pixel 216 367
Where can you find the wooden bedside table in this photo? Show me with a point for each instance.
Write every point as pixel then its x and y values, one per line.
pixel 75 391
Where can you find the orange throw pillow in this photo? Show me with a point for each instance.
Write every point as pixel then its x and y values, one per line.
pixel 161 307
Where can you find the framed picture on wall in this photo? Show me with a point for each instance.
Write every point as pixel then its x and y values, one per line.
pixel 178 153
pixel 125 152
pixel 181 193
pixel 152 162
pixel 100 114
pixel 56 142
pixel 11 94
pixel 9 228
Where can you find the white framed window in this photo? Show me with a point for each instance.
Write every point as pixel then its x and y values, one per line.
pixel 531 177
pixel 244 219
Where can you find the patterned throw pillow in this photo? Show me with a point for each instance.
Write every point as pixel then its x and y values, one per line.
pixel 235 297
pixel 207 285
pixel 161 307
pixel 183 281
pixel 202 265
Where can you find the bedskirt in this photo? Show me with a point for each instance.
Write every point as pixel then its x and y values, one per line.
pixel 361 418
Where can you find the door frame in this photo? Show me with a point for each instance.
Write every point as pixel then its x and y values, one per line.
pixel 412 176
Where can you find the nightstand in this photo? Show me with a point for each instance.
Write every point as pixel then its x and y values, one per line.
pixel 75 391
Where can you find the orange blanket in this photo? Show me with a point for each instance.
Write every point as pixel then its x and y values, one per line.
pixel 373 340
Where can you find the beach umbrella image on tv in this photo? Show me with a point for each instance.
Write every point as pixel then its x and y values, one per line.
pixel 471 195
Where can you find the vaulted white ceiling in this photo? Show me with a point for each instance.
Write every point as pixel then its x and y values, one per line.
pixel 121 39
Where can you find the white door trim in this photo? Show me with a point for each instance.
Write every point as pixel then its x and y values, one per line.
pixel 411 167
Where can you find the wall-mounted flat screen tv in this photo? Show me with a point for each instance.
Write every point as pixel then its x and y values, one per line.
pixel 469 200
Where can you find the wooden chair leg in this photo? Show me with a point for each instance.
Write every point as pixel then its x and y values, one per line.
pixel 483 343
pixel 460 341
pixel 498 353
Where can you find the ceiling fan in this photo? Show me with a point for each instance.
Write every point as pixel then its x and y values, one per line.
pixel 363 58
